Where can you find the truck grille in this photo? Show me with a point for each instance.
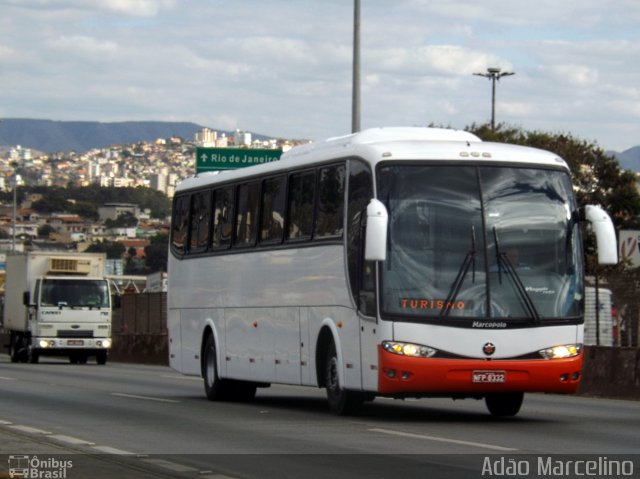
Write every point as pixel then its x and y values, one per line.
pixel 75 333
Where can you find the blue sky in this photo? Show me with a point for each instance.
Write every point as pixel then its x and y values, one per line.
pixel 283 67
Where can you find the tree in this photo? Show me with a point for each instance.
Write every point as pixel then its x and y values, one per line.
pixel 596 175
pixel 44 231
pixel 113 249
pixel 157 253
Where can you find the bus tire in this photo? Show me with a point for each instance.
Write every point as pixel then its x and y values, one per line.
pixel 505 404
pixel 214 387
pixel 341 401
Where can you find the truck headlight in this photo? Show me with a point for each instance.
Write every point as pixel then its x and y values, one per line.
pixel 408 349
pixel 561 352
pixel 104 343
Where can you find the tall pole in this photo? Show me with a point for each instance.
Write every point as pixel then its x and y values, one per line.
pixel 15 206
pixel 494 74
pixel 355 91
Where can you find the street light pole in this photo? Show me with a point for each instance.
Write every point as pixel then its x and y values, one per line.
pixel 15 205
pixel 494 74
pixel 355 89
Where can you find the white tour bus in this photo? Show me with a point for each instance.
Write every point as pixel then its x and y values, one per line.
pixel 398 262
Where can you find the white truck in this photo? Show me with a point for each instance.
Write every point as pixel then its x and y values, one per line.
pixel 57 304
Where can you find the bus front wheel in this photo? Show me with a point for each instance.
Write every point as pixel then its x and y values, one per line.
pixel 341 401
pixel 213 386
pixel 504 405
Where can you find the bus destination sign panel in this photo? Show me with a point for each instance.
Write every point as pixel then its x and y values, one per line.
pixel 216 159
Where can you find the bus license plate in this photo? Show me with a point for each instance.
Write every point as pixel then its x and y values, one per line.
pixel 75 342
pixel 489 377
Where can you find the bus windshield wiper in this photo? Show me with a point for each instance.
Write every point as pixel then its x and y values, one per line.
pixel 504 261
pixel 469 259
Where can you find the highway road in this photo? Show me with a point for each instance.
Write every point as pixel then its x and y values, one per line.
pixel 129 420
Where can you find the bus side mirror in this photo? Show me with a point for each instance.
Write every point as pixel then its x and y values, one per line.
pixel 376 240
pixel 605 234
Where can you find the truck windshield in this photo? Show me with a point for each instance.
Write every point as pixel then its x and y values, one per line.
pixel 74 293
pixel 480 242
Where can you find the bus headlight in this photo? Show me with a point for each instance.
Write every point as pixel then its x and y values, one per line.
pixel 408 349
pixel 560 352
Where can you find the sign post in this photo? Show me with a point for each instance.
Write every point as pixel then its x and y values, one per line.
pixel 216 159
pixel 628 243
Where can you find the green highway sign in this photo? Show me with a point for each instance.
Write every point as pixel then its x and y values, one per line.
pixel 216 159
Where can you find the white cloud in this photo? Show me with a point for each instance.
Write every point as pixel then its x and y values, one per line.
pixel 83 44
pixel 284 67
pixel 578 75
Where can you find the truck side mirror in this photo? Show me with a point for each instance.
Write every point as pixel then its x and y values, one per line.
pixel 605 234
pixel 376 239
pixel 117 301
pixel 26 298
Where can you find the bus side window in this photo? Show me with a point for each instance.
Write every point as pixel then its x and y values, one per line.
pixel 199 221
pixel 222 218
pixel 248 202
pixel 361 272
pixel 330 215
pixel 273 202
pixel 301 200
pixel 180 224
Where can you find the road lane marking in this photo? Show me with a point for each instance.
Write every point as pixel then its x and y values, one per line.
pixel 5 378
pixel 113 450
pixel 182 377
pixel 29 430
pixel 145 398
pixel 443 439
pixel 71 440
pixel 171 466
pixel 4 423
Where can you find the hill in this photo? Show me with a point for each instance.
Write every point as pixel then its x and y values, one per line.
pixel 629 159
pixel 51 136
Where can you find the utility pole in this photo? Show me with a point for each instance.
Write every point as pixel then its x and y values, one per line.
pixel 355 90
pixel 14 164
pixel 494 74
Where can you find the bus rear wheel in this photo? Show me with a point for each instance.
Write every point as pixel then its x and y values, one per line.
pixel 341 401
pixel 505 404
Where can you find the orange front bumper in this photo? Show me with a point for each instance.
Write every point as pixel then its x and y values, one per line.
pixel 402 375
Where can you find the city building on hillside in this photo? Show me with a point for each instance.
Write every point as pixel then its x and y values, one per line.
pixel 111 211
pixel 242 138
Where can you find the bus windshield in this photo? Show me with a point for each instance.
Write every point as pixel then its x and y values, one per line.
pixel 480 242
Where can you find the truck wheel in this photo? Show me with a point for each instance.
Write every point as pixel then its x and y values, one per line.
pixel 19 350
pixel 101 358
pixel 33 355
pixel 14 347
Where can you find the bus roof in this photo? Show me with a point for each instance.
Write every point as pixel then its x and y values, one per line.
pixel 388 144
